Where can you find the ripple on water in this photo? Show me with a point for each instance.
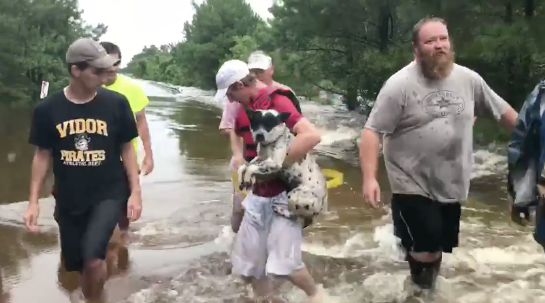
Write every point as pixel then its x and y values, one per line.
pixel 366 267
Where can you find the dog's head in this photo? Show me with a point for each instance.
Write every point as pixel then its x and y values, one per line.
pixel 266 125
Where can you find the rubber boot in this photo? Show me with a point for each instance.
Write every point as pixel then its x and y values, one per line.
pixel 424 274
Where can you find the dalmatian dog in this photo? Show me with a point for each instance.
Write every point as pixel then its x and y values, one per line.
pixel 304 178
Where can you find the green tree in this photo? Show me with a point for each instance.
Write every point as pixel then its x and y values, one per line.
pixel 35 36
pixel 357 44
pixel 351 47
pixel 218 28
pixel 210 37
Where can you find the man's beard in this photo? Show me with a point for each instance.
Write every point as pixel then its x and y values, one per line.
pixel 437 65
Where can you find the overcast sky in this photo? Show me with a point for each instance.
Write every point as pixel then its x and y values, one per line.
pixel 133 24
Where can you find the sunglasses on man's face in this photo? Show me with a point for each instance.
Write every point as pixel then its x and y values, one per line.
pixel 99 71
pixel 102 71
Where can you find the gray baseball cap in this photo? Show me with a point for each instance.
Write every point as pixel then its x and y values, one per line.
pixel 90 51
pixel 259 60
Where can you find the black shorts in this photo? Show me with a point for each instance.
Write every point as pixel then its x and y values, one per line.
pixel 124 221
pixel 424 225
pixel 85 236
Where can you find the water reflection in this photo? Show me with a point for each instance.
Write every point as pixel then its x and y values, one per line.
pixel 4 294
pixel 198 133
pixel 204 150
pixel 15 155
pixel 117 264
pixel 17 249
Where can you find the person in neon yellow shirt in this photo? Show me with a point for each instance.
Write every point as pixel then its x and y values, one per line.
pixel 138 101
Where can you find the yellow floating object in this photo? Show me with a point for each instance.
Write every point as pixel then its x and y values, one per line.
pixel 234 179
pixel 334 179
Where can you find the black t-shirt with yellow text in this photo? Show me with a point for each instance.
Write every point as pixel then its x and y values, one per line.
pixel 86 142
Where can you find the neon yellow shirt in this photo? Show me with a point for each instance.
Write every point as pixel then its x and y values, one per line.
pixel 134 93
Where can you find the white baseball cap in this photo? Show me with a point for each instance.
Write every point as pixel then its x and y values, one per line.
pixel 229 73
pixel 259 60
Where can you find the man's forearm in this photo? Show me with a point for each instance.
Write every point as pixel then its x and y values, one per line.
pixel 369 146
pixel 143 132
pixel 301 145
pixel 131 166
pixel 509 118
pixel 40 167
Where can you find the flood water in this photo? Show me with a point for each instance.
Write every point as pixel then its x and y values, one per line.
pixel 177 251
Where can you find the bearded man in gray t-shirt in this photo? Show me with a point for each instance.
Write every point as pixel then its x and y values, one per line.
pixel 425 114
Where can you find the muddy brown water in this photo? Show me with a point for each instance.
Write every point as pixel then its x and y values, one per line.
pixel 178 250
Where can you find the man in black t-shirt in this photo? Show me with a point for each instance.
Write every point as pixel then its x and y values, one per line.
pixel 87 130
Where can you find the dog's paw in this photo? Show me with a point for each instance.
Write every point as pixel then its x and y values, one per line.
pixel 269 166
pixel 304 203
pixel 248 178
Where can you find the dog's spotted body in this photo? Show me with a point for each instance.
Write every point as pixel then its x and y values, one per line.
pixel 307 184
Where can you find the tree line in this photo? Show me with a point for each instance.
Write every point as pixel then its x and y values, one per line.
pixel 351 47
pixel 35 37
pixel 347 47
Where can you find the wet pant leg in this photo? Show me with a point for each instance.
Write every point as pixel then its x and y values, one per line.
pixel 424 225
pixel 267 243
pixel 85 236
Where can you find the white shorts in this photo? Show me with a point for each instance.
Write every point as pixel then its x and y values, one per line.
pixel 267 243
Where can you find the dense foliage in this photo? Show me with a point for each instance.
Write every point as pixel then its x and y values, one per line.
pixel 33 43
pixel 352 46
pixel 348 47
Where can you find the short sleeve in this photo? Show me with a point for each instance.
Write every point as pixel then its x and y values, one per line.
pixel 138 99
pixel 486 100
pixel 229 115
pixel 283 104
pixel 127 123
pixel 388 107
pixel 41 134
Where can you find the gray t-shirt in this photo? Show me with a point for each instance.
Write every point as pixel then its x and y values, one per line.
pixel 428 130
